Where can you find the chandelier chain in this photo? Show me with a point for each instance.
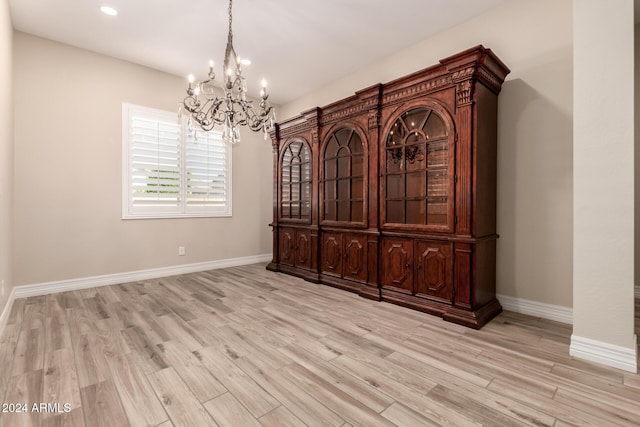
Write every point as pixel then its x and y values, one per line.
pixel 233 109
pixel 229 49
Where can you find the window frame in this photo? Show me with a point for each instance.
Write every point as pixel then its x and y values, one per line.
pixel 182 209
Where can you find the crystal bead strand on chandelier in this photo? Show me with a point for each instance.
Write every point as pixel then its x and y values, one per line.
pixel 233 110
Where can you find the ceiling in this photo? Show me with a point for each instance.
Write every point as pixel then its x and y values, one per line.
pixel 297 45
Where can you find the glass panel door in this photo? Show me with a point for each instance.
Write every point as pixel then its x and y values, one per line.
pixel 343 177
pixel 417 175
pixel 295 189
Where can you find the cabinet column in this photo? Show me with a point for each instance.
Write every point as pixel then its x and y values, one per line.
pixel 464 128
pixel 371 290
pixel 273 265
pixel 463 280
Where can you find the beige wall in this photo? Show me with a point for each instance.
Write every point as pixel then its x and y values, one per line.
pixel 67 204
pixel 603 172
pixel 534 135
pixel 6 149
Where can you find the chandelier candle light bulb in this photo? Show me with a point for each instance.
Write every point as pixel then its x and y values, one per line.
pixel 190 88
pixel 263 90
pixel 234 109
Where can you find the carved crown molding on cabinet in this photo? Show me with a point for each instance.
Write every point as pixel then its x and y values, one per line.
pixel 405 94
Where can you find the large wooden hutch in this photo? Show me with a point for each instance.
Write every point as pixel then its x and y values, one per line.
pixel 391 193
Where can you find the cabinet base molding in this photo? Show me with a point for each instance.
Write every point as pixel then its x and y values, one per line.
pixel 370 292
pixel 346 285
pixel 272 266
pixel 474 318
pixel 307 275
pixel 470 318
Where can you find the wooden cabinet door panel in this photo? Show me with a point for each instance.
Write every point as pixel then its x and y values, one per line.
pixel 433 270
pixel 287 246
pixel 397 269
pixel 355 257
pixel 303 249
pixel 332 254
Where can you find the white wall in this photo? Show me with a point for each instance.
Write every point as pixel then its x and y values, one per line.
pixel 534 39
pixel 603 277
pixel 6 150
pixel 67 204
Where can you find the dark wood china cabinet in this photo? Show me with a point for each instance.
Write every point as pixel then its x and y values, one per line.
pixel 391 193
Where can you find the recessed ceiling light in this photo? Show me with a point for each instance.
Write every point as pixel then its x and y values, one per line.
pixel 245 61
pixel 108 10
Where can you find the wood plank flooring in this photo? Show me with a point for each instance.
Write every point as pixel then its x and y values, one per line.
pixel 247 347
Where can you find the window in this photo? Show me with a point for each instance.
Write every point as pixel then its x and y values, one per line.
pixel 169 172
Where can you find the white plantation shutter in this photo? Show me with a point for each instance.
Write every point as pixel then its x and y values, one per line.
pixel 169 172
pixel 207 172
pixel 155 162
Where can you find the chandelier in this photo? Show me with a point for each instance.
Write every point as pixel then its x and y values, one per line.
pixel 233 109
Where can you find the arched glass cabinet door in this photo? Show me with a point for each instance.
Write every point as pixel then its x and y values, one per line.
pixel 295 182
pixel 343 177
pixel 419 170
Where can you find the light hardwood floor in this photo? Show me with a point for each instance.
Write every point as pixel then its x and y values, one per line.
pixel 247 347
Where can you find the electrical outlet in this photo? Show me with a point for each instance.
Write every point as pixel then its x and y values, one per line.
pixel 181 251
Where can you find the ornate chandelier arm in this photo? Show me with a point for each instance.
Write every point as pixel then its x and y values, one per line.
pixel 205 115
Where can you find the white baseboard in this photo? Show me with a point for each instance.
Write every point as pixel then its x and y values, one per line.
pixel 7 310
pixel 132 276
pixel 537 309
pixel 607 354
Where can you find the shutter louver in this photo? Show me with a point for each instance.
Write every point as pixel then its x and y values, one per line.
pixel 155 162
pixel 206 170
pixel 171 172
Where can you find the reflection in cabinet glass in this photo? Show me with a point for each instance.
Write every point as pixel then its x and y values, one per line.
pixel 417 169
pixel 296 181
pixel 344 177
